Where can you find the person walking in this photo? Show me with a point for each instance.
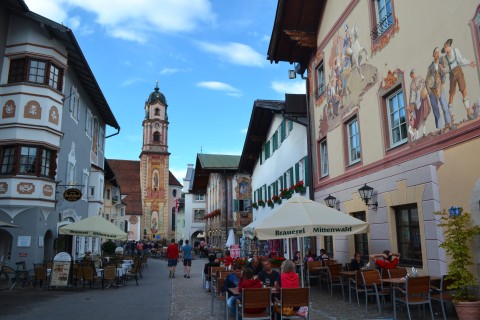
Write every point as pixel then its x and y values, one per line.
pixel 172 257
pixel 187 259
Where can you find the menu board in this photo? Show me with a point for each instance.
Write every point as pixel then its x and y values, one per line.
pixel 60 272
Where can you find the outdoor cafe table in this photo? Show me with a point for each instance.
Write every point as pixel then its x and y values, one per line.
pixel 349 275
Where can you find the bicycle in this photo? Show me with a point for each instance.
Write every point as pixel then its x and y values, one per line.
pixel 11 277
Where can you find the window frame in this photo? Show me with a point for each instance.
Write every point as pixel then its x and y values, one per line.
pixel 23 67
pixel 347 143
pixel 404 255
pixel 199 197
pixel 198 212
pixel 361 238
pixel 320 79
pixel 376 32
pixel 39 165
pixel 399 92
pixel 321 158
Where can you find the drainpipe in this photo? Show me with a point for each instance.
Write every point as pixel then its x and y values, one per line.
pixel 309 140
pixel 113 134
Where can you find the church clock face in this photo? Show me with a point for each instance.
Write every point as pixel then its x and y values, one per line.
pixel 156 125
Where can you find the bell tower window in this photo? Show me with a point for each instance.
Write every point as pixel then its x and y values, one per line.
pixel 156 136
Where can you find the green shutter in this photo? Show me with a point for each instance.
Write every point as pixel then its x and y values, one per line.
pixel 269 192
pixel 307 171
pixel 281 182
pixel 285 182
pixel 291 176
pixel 275 141
pixel 283 129
pixel 290 125
pixel 235 205
pixel 297 172
pixel 267 150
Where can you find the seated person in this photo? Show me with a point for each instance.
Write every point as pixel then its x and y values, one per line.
pixel 357 263
pixel 228 259
pixel 323 255
pixel 248 280
pixel 212 262
pixel 386 260
pixel 289 278
pixel 269 276
pixel 297 260
pixel 255 265
pixel 310 256
pixel 232 281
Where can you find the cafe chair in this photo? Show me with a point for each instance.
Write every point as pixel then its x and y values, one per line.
pixel 294 298
pixel 218 294
pixel 334 278
pixel 373 287
pixel 255 298
pixel 397 273
pixel 89 274
pixel 313 271
pixel 442 294
pixel 40 272
pixel 416 292
pixel 109 277
pixel 134 271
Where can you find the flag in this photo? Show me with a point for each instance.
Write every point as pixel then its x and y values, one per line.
pixel 176 205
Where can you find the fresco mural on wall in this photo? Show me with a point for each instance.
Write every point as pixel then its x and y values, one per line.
pixel 430 94
pixel 350 77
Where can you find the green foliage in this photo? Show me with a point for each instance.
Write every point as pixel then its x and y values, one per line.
pixel 109 247
pixel 458 234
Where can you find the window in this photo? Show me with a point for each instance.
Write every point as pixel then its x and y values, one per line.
pixel 92 191
pixel 242 205
pixel 328 244
pixel 275 141
pixel 86 174
pixel 323 158
pixel 383 18
pixel 156 136
pixel 199 197
pixel 28 160
pixel 174 193
pixel 157 111
pixel 173 219
pixel 8 160
pixel 361 240
pixel 75 103
pixel 408 235
pixel 267 150
pixel 36 71
pixel 101 140
pixel 397 124
pixel 320 80
pixel 354 152
pixel 108 194
pixel 199 215
pixel 89 123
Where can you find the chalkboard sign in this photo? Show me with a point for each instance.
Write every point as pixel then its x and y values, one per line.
pixel 59 275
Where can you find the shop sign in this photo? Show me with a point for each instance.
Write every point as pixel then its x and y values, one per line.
pixel 72 194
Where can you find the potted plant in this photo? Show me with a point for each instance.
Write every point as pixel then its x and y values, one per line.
pixel 458 235
pixel 285 193
pixel 261 203
pixel 277 199
pixel 270 203
pixel 299 187
pixel 254 205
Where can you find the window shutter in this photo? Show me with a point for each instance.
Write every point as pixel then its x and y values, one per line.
pixel 297 172
pixel 307 171
pixel 267 150
pixel 71 102
pixel 290 125
pixel 283 128
pixel 285 182
pixel 269 192
pixel 281 182
pixel 235 205
pixel 291 176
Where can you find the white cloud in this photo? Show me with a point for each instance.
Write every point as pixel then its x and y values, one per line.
pixel 169 71
pixel 179 173
pixel 220 86
pixel 130 82
pixel 289 86
pixel 132 20
pixel 236 53
pixel 244 130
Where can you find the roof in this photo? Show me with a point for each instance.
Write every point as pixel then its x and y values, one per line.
pixel 172 180
pixel 127 174
pixel 156 95
pixel 294 33
pixel 76 60
pixel 211 163
pixel 294 108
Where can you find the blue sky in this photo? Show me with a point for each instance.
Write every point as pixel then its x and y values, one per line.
pixel 208 56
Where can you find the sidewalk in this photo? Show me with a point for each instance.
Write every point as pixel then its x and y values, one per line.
pixel 191 301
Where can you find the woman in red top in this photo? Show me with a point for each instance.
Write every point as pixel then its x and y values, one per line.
pixel 390 260
pixel 247 280
pixel 228 259
pixel 288 277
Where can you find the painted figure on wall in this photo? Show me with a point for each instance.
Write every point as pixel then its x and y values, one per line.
pixel 155 181
pixel 349 77
pixel 418 106
pixel 436 76
pixel 154 222
pixel 454 63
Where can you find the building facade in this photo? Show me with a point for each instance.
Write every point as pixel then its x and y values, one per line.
pixel 52 131
pixel 275 155
pixel 389 107
pixel 194 209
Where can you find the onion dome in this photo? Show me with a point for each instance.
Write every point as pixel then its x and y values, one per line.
pixel 155 96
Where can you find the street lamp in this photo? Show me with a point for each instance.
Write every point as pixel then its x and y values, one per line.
pixel 330 201
pixel 366 193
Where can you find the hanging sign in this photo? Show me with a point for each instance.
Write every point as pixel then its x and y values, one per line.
pixel 72 194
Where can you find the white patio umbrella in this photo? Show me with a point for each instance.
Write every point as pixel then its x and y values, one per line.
pixel 94 226
pixel 230 239
pixel 301 217
pixel 4 224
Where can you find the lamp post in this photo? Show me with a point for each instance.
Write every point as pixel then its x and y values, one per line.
pixel 330 201
pixel 366 193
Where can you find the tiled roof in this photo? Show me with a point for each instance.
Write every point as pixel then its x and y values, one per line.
pixel 127 174
pixel 172 180
pixel 218 161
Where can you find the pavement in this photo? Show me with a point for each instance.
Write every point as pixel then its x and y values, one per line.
pixel 160 297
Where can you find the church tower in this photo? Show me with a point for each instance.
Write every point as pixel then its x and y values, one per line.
pixel 154 168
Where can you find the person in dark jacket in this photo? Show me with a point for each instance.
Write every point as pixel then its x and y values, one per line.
pixel 232 281
pixel 212 262
pixel 357 263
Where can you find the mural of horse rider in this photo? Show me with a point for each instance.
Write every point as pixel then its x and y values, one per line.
pixel 455 62
pixel 434 82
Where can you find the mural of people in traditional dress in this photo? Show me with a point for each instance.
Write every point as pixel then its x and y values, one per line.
pixel 418 106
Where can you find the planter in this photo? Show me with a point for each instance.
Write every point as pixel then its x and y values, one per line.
pixel 467 310
pixel 301 190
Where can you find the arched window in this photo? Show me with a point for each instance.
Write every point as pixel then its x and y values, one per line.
pixel 157 111
pixel 156 136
